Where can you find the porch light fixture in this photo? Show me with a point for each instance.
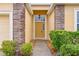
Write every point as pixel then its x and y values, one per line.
pixel 39 16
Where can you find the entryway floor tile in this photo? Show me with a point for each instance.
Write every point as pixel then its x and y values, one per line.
pixel 40 49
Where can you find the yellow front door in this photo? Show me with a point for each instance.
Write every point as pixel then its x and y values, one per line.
pixel 39 30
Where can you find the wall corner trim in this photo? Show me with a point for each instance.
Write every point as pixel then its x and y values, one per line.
pixel 28 6
pixel 50 9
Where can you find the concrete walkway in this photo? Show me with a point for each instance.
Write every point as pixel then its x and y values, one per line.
pixel 1 53
pixel 40 49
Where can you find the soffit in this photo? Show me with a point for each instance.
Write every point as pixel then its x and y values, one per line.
pixel 40 12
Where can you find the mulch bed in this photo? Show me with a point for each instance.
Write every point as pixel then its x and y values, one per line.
pixel 53 50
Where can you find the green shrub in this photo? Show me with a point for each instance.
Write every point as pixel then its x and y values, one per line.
pixel 66 43
pixel 59 38
pixel 69 50
pixel 75 36
pixel 8 47
pixel 26 49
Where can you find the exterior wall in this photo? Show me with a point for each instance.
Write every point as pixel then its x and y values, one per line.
pixel 40 7
pixel 51 21
pixel 28 26
pixel 5 21
pixel 56 18
pixel 67 20
pixel 6 6
pixel 59 17
pixel 69 16
pixel 18 24
pixel 4 28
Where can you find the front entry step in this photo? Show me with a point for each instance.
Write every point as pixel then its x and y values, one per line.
pixel 40 48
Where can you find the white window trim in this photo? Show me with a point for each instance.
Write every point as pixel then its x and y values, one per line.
pixel 75 19
pixel 10 13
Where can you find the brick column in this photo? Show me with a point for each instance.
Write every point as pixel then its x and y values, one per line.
pixel 59 17
pixel 18 24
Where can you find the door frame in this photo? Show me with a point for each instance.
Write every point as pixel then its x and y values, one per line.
pixel 45 28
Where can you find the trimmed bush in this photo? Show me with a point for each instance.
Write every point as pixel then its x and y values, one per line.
pixel 26 49
pixel 75 36
pixel 8 47
pixel 69 50
pixel 66 43
pixel 59 38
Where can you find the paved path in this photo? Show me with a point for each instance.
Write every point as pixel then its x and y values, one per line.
pixel 1 53
pixel 41 49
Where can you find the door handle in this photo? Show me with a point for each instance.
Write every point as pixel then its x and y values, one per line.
pixel 41 30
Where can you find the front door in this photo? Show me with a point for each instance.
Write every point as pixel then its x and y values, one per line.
pixel 39 30
pixel 39 26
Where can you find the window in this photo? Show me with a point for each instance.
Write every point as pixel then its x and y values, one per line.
pixel 78 20
pixel 39 18
pixel 42 18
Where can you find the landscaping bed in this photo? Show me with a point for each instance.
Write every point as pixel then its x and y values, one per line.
pixel 64 43
pixel 9 48
pixel 53 50
pixel 1 52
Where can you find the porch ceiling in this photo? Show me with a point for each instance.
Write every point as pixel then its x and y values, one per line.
pixel 39 8
pixel 40 12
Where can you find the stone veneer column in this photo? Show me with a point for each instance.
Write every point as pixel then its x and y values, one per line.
pixel 18 24
pixel 59 17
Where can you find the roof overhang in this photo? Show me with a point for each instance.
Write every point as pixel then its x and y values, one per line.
pixel 40 6
pixel 40 3
pixel 51 9
pixel 28 6
pixel 52 6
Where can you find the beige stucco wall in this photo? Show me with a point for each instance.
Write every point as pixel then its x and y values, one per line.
pixel 5 22
pixel 50 22
pixel 6 6
pixel 69 16
pixel 4 28
pixel 40 7
pixel 28 26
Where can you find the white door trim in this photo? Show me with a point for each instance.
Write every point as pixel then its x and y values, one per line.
pixel 34 28
pixel 10 13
